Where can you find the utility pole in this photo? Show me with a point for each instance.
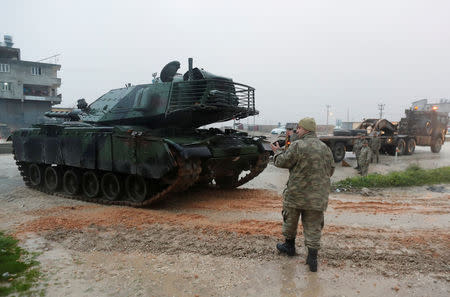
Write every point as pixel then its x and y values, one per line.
pixel 328 112
pixel 380 108
pixel 348 114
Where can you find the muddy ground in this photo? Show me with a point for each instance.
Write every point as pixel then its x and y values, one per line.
pixel 206 242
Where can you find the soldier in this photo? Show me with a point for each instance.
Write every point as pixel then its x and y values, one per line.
pixel 357 149
pixel 310 163
pixel 364 158
pixel 375 146
pixel 290 136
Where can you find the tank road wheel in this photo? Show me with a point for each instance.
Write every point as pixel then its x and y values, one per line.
pixel 227 182
pixel 137 188
pixel 401 147
pixel 410 146
pixel 90 184
pixel 338 152
pixel 436 145
pixel 71 182
pixel 52 178
pixel 35 173
pixel 111 186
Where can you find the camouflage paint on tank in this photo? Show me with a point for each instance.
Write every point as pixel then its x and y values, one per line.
pixel 152 131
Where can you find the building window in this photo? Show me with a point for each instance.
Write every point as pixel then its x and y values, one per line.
pixel 36 90
pixel 5 86
pixel 4 68
pixel 36 71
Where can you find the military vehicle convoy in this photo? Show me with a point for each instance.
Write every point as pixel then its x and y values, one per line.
pixel 417 128
pixel 135 145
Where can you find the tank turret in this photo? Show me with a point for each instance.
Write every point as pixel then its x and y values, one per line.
pixel 194 99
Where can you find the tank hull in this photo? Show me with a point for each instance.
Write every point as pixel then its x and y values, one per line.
pixel 139 164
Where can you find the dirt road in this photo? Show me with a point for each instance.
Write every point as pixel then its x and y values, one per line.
pixel 206 242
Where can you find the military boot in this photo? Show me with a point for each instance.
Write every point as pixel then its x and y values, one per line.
pixel 288 247
pixel 311 260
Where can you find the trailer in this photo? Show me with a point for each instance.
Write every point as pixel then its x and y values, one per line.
pixel 417 128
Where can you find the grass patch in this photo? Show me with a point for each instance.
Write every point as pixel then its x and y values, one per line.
pixel 412 176
pixel 18 272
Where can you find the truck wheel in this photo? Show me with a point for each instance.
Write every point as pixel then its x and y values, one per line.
pixel 390 149
pixel 338 152
pixel 410 146
pixel 436 145
pixel 401 147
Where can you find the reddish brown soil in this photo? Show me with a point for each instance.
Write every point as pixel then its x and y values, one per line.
pixel 79 217
pixel 240 199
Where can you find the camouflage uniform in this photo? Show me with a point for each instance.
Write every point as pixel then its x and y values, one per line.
pixel 357 149
pixel 375 146
pixel 364 160
pixel 310 163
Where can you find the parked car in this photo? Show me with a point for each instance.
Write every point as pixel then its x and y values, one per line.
pixel 278 130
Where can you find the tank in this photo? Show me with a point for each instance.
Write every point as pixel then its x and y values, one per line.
pixel 136 145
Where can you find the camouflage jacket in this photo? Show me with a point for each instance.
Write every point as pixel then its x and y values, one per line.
pixel 365 155
pixel 310 163
pixel 357 146
pixel 375 144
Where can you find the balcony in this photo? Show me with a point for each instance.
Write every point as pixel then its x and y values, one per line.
pixel 53 99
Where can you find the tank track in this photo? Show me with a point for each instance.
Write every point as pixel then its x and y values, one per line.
pixel 260 165
pixel 187 174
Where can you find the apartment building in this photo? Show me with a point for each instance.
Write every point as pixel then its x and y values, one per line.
pixel 27 89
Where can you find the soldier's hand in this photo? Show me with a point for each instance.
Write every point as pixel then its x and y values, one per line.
pixel 275 147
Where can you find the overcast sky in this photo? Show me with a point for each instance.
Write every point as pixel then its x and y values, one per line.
pixel 299 55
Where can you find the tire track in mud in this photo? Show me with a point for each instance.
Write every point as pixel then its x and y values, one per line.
pixel 389 207
pixel 339 250
pixel 87 228
pixel 172 227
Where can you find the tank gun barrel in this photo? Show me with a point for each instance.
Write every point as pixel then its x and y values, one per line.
pixel 70 115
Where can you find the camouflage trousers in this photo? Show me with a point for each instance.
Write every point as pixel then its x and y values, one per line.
pixel 364 167
pixel 357 159
pixel 364 170
pixel 375 156
pixel 312 221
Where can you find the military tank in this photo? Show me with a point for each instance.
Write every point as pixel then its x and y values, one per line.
pixel 135 145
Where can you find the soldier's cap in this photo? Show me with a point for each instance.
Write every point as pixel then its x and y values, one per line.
pixel 365 141
pixel 308 124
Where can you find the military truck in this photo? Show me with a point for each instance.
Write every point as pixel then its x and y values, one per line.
pixel 137 144
pixel 417 128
